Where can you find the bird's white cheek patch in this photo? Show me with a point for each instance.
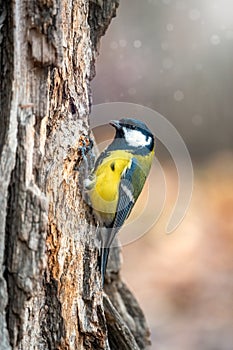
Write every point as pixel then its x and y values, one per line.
pixel 135 138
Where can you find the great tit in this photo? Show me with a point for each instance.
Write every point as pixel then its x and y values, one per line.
pixel 117 179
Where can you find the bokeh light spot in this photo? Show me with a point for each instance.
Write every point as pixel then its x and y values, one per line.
pixel 178 95
pixel 215 39
pixel 137 44
pixel 170 27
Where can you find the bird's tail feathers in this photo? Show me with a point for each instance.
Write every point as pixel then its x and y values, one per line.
pixel 106 237
pixel 104 253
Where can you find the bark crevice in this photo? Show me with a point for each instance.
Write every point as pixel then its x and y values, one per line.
pixel 10 279
pixel 52 333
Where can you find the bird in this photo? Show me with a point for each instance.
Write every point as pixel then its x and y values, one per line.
pixel 117 179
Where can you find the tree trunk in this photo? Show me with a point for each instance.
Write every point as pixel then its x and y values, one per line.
pixel 50 289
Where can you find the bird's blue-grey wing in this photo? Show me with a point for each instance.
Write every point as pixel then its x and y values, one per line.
pixel 125 204
pixel 126 199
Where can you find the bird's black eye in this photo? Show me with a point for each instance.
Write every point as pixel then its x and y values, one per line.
pixel 132 127
pixel 112 165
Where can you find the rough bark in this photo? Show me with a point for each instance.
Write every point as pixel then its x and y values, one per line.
pixel 50 289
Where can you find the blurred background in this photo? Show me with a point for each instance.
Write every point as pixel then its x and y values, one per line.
pixel 176 57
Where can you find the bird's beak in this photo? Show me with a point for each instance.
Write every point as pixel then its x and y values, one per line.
pixel 115 123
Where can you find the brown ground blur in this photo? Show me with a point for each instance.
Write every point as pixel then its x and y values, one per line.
pixel 184 281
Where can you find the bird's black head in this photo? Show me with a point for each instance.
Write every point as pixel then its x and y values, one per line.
pixel 134 132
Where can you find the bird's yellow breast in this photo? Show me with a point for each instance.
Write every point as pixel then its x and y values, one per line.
pixel 104 194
